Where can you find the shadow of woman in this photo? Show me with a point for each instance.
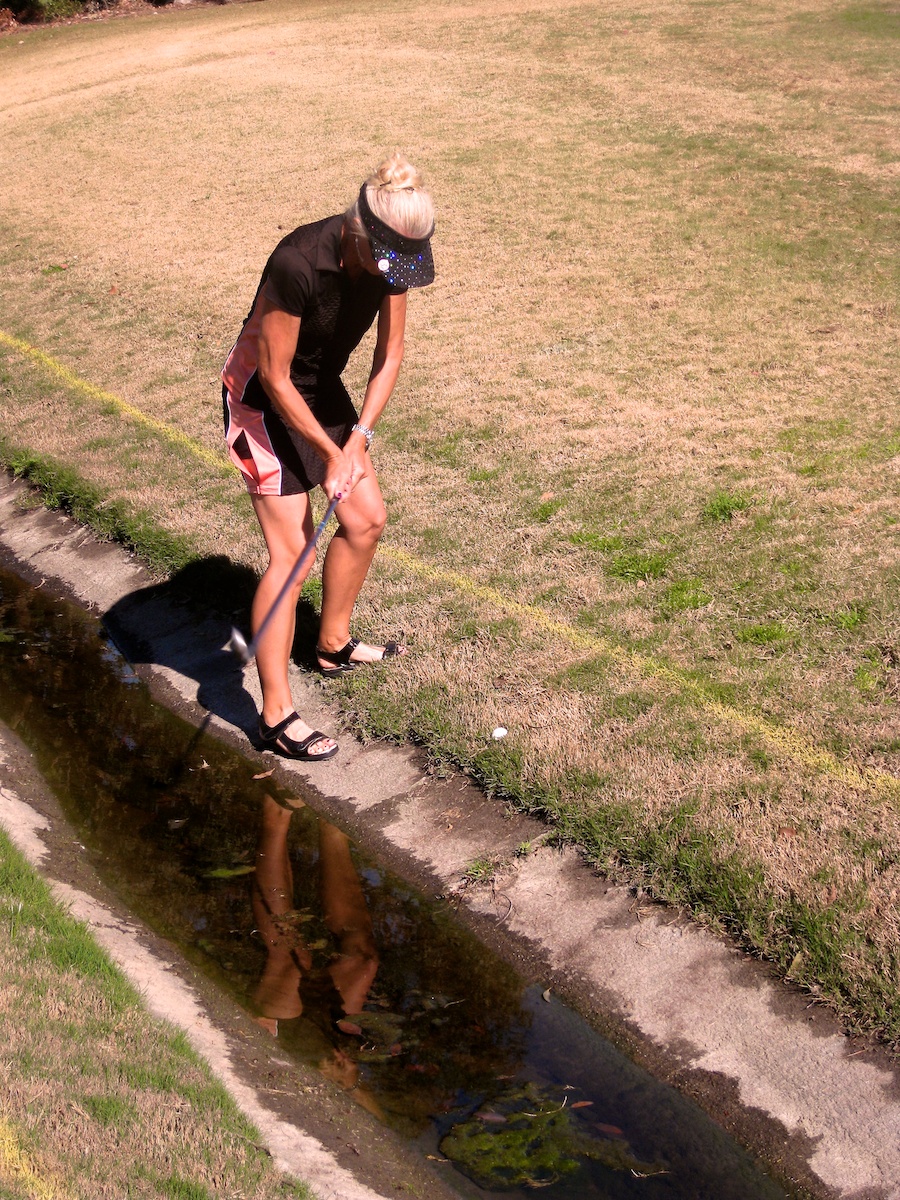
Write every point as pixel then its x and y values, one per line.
pixel 184 624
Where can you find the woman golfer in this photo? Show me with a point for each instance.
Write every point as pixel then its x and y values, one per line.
pixel 291 425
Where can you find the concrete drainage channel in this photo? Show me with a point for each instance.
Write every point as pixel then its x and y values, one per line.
pixel 459 1025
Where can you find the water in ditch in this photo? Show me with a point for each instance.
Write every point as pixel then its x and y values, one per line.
pixel 354 971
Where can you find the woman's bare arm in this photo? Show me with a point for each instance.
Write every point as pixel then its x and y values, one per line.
pixel 277 342
pixel 385 368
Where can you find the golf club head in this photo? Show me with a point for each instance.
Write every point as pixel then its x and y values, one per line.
pixel 237 644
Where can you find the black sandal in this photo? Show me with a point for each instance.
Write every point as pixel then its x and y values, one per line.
pixel 341 658
pixel 274 738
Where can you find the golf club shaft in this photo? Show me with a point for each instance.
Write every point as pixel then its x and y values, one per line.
pixel 301 562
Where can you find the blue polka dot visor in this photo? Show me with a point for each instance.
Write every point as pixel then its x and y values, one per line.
pixel 404 262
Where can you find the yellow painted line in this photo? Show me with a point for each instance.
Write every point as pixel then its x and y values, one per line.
pixel 784 740
pixel 72 380
pixel 14 1163
pixel 788 742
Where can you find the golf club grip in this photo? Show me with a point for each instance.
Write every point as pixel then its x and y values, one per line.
pixel 295 571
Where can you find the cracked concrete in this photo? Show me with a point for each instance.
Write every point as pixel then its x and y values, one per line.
pixel 774 1069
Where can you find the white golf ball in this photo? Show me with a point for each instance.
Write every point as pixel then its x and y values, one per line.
pixel 499 733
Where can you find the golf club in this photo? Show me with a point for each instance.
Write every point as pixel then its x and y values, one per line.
pixel 237 643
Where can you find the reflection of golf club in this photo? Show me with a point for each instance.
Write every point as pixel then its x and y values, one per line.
pixel 237 643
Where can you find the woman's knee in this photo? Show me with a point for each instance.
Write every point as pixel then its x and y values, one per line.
pixel 375 527
pixel 379 520
pixel 282 564
pixel 365 526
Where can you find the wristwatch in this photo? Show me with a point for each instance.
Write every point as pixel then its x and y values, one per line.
pixel 367 433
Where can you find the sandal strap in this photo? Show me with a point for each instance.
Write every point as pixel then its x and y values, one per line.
pixel 294 749
pixel 271 733
pixel 340 658
pixel 299 748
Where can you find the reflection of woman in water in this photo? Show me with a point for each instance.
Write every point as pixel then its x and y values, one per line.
pixel 288 958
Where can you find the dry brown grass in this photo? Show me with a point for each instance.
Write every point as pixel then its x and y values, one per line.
pixel 667 266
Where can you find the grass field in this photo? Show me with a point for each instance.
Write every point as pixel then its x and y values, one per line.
pixel 642 464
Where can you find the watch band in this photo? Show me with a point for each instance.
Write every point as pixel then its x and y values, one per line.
pixel 367 433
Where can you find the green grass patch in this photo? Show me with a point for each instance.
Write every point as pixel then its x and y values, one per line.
pixel 547 509
pixel 74 1038
pixel 62 487
pixel 110 1110
pixel 763 633
pixel 177 1188
pixel 633 565
pixel 849 618
pixel 595 541
pixel 722 505
pixel 872 20
pixel 684 595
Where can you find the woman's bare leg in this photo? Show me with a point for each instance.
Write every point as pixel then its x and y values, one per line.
pixel 361 520
pixel 286 523
pixel 277 994
pixel 348 919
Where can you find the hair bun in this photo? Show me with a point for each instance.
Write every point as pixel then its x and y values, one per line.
pixel 396 194
pixel 397 174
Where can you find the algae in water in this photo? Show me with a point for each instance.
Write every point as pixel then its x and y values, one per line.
pixel 529 1137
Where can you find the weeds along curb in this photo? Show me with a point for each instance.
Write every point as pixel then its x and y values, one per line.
pixel 62 488
pixel 695 871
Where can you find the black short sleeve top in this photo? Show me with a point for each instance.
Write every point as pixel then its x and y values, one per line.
pixel 304 277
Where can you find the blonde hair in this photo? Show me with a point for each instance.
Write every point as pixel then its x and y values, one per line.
pixel 397 196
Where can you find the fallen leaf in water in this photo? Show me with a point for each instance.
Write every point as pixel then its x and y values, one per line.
pixel 349 1027
pixel 581 1104
pixel 491 1117
pixel 373 1055
pixel 431 1069
pixel 612 1130
pixel 264 774
pixel 229 872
